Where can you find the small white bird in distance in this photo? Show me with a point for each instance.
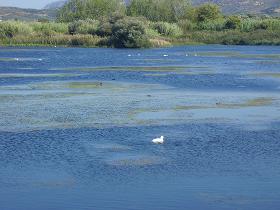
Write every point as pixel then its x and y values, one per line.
pixel 158 140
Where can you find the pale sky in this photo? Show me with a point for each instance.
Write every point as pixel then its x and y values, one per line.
pixel 37 4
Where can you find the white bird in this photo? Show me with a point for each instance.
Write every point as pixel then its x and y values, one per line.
pixel 165 55
pixel 158 140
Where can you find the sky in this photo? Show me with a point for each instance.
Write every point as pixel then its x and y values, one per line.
pixel 37 4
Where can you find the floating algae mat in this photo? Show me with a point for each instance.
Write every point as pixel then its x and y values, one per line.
pixel 267 74
pixel 264 101
pixel 21 75
pixel 236 54
pixel 50 105
pixel 131 68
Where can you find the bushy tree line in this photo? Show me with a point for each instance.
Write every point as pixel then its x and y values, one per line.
pixel 142 23
pixel 89 9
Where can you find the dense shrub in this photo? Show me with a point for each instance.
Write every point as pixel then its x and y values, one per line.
pixel 212 25
pixel 167 29
pixel 129 33
pixel 186 25
pixel 207 12
pixel 106 24
pixel 83 27
pixel 11 28
pixel 152 33
pixel 233 22
pixel 49 28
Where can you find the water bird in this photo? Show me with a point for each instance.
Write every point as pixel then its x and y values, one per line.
pixel 129 55
pixel 165 55
pixel 158 140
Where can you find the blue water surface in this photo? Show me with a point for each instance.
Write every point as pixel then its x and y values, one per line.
pixel 205 163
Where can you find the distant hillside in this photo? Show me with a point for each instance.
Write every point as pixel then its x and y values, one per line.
pixel 55 5
pixel 8 13
pixel 271 7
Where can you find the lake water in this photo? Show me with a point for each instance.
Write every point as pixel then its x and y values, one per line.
pixel 76 127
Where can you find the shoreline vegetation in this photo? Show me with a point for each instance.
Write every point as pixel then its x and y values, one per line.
pixel 141 24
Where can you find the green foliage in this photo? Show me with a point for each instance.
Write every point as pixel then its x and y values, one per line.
pixel 106 24
pixel 159 10
pixel 129 33
pixel 207 12
pixel 233 22
pixel 83 27
pixel 186 25
pixel 49 28
pixel 251 24
pixel 212 25
pixel 11 28
pixel 54 40
pixel 167 29
pixel 152 33
pixel 235 37
pixel 89 9
pixel 162 23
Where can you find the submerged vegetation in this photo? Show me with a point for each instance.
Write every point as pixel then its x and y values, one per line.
pixel 142 23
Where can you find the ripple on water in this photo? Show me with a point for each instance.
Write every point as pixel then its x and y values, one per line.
pixel 134 160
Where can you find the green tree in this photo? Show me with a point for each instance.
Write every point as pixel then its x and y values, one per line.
pixel 89 9
pixel 129 33
pixel 208 12
pixel 159 10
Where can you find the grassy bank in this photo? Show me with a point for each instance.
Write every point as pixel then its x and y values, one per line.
pixel 129 28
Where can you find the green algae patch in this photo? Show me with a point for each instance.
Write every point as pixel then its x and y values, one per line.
pixel 155 60
pixel 84 85
pixel 263 101
pixel 216 54
pixel 16 75
pixel 259 102
pixel 268 74
pixel 8 59
pixel 181 108
pixel 131 68
pixel 155 75
pixel 236 54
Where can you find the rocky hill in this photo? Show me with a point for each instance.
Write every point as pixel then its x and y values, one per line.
pixel 271 7
pixel 8 13
pixel 55 5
